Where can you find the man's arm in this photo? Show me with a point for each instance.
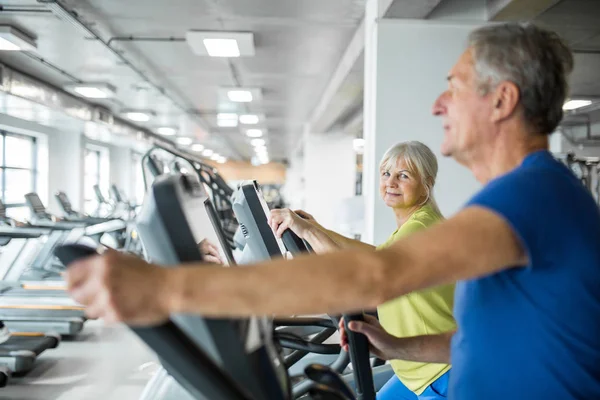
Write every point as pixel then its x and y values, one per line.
pixel 474 243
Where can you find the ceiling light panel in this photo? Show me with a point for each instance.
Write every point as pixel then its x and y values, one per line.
pixel 249 119
pixel 574 104
pixel 197 147
pixel 221 44
pixel 92 90
pixel 254 133
pixel 138 115
pixel 185 141
pixel 167 131
pixel 240 95
pixel 12 39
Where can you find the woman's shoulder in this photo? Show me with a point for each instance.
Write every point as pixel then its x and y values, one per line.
pixel 424 216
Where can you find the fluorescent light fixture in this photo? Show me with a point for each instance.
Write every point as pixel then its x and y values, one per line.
pixel 257 142
pixel 167 131
pixel 185 141
pixel 207 153
pixel 227 120
pixel 227 116
pixel 215 157
pixel 92 90
pixel 240 96
pixel 12 39
pixel 222 47
pixel 574 104
pixel 222 160
pixel 138 115
pixel 249 119
pixel 254 133
pixel 221 44
pixel 197 147
pixel 227 123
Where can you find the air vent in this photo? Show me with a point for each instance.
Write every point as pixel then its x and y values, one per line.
pixel 244 230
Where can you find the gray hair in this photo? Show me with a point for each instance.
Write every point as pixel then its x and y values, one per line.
pixel 420 160
pixel 536 60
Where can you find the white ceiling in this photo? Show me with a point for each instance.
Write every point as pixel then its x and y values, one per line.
pixel 298 45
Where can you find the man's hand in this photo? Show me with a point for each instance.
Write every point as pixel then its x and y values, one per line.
pixel 120 288
pixel 381 343
pixel 282 219
pixel 210 252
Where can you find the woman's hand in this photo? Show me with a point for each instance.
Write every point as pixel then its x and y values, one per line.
pixel 210 252
pixel 306 216
pixel 381 343
pixel 282 219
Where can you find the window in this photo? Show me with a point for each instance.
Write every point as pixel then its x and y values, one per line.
pixel 18 172
pixel 96 170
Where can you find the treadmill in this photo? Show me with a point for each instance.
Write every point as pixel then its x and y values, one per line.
pixel 41 218
pixel 37 308
pixel 72 215
pixel 209 358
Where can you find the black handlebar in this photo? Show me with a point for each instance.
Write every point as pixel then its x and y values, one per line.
pixel 359 355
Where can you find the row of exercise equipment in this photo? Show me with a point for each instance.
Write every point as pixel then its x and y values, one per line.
pixel 34 305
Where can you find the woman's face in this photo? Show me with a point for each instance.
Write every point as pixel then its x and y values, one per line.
pixel 401 188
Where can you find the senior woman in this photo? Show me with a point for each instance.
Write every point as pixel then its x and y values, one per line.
pixel 407 176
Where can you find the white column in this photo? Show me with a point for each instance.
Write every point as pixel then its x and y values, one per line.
pixel 406 64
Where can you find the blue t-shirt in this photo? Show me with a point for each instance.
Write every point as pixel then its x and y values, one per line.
pixel 533 332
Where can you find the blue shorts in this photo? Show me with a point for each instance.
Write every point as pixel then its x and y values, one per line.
pixel 394 389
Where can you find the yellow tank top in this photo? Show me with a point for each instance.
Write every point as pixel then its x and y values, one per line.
pixel 424 312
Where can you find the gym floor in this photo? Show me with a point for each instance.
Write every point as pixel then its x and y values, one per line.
pixel 107 363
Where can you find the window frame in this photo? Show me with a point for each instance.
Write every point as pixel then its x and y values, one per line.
pixel 4 167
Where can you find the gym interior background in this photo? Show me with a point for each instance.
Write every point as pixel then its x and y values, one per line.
pixel 306 101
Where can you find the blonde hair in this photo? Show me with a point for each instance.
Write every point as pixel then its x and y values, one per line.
pixel 420 160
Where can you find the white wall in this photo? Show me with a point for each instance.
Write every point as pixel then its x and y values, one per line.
pixel 410 67
pixel 329 174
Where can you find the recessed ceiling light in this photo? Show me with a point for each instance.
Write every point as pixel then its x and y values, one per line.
pixel 257 142
pixel 227 120
pixel 240 96
pixel 138 115
pixel 574 104
pixel 221 44
pixel 249 119
pixel 185 141
pixel 12 39
pixel 222 47
pixel 92 90
pixel 215 156
pixel 166 131
pixel 197 147
pixel 254 133
pixel 222 160
pixel 207 152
